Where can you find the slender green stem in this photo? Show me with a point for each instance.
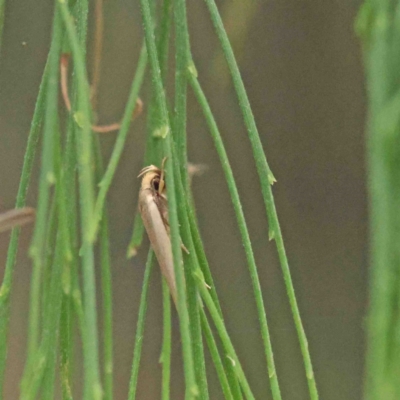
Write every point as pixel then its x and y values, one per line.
pixel 72 298
pixel 55 307
pixel 183 58
pixel 82 117
pixel 151 153
pixel 266 180
pixel 197 339
pixel 80 14
pixel 50 243
pixel 164 36
pixel 137 351
pixel 92 387
pixel 46 353
pixel 47 179
pixel 205 268
pixel 31 368
pixel 137 236
pixel 191 264
pixel 121 138
pixel 186 220
pixel 107 307
pixel 219 324
pixel 66 347
pixel 5 288
pixel 219 367
pixel 180 169
pixel 59 271
pixel 184 308
pixel 50 331
pixel 164 129
pixel 382 57
pixel 219 145
pixel 44 377
pixel 106 285
pixel 165 358
pixel 181 65
pixel 191 386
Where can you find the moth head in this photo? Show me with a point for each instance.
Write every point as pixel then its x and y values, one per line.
pixel 153 178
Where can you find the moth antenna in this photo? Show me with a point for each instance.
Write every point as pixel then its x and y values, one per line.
pixel 147 169
pixel 162 183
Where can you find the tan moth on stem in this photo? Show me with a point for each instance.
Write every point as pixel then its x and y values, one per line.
pixel 153 207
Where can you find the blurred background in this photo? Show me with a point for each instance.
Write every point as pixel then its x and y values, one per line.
pixel 302 66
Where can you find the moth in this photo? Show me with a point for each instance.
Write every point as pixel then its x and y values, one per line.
pixel 17 217
pixel 153 207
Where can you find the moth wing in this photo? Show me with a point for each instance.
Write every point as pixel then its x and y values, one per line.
pixel 157 230
pixel 162 205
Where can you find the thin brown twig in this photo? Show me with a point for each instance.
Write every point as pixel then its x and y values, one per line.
pixel 16 217
pixel 64 63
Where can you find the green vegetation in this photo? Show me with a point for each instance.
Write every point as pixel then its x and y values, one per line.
pixel 378 25
pixel 72 223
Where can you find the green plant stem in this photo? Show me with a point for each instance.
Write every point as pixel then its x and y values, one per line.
pixel 137 236
pixel 164 36
pixel 151 153
pixel 106 285
pixel 66 347
pixel 55 307
pixel 92 387
pixel 72 293
pixel 80 14
pixel 137 351
pixel 219 145
pixel 165 358
pixel 197 339
pixel 183 58
pixel 266 180
pixel 50 243
pixel 191 386
pixel 82 116
pixel 38 359
pixel 205 268
pixel 47 179
pixel 219 367
pixel 191 263
pixel 164 127
pixel 46 353
pixel 43 377
pixel 107 307
pixel 58 272
pixel 381 60
pixel 181 175
pixel 219 324
pixel 121 138
pixel 181 65
pixel 6 285
pixel 193 270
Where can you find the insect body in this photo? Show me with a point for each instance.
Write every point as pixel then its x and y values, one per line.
pixel 153 207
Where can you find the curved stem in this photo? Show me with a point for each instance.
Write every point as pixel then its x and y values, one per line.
pixel 266 180
pixel 244 233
